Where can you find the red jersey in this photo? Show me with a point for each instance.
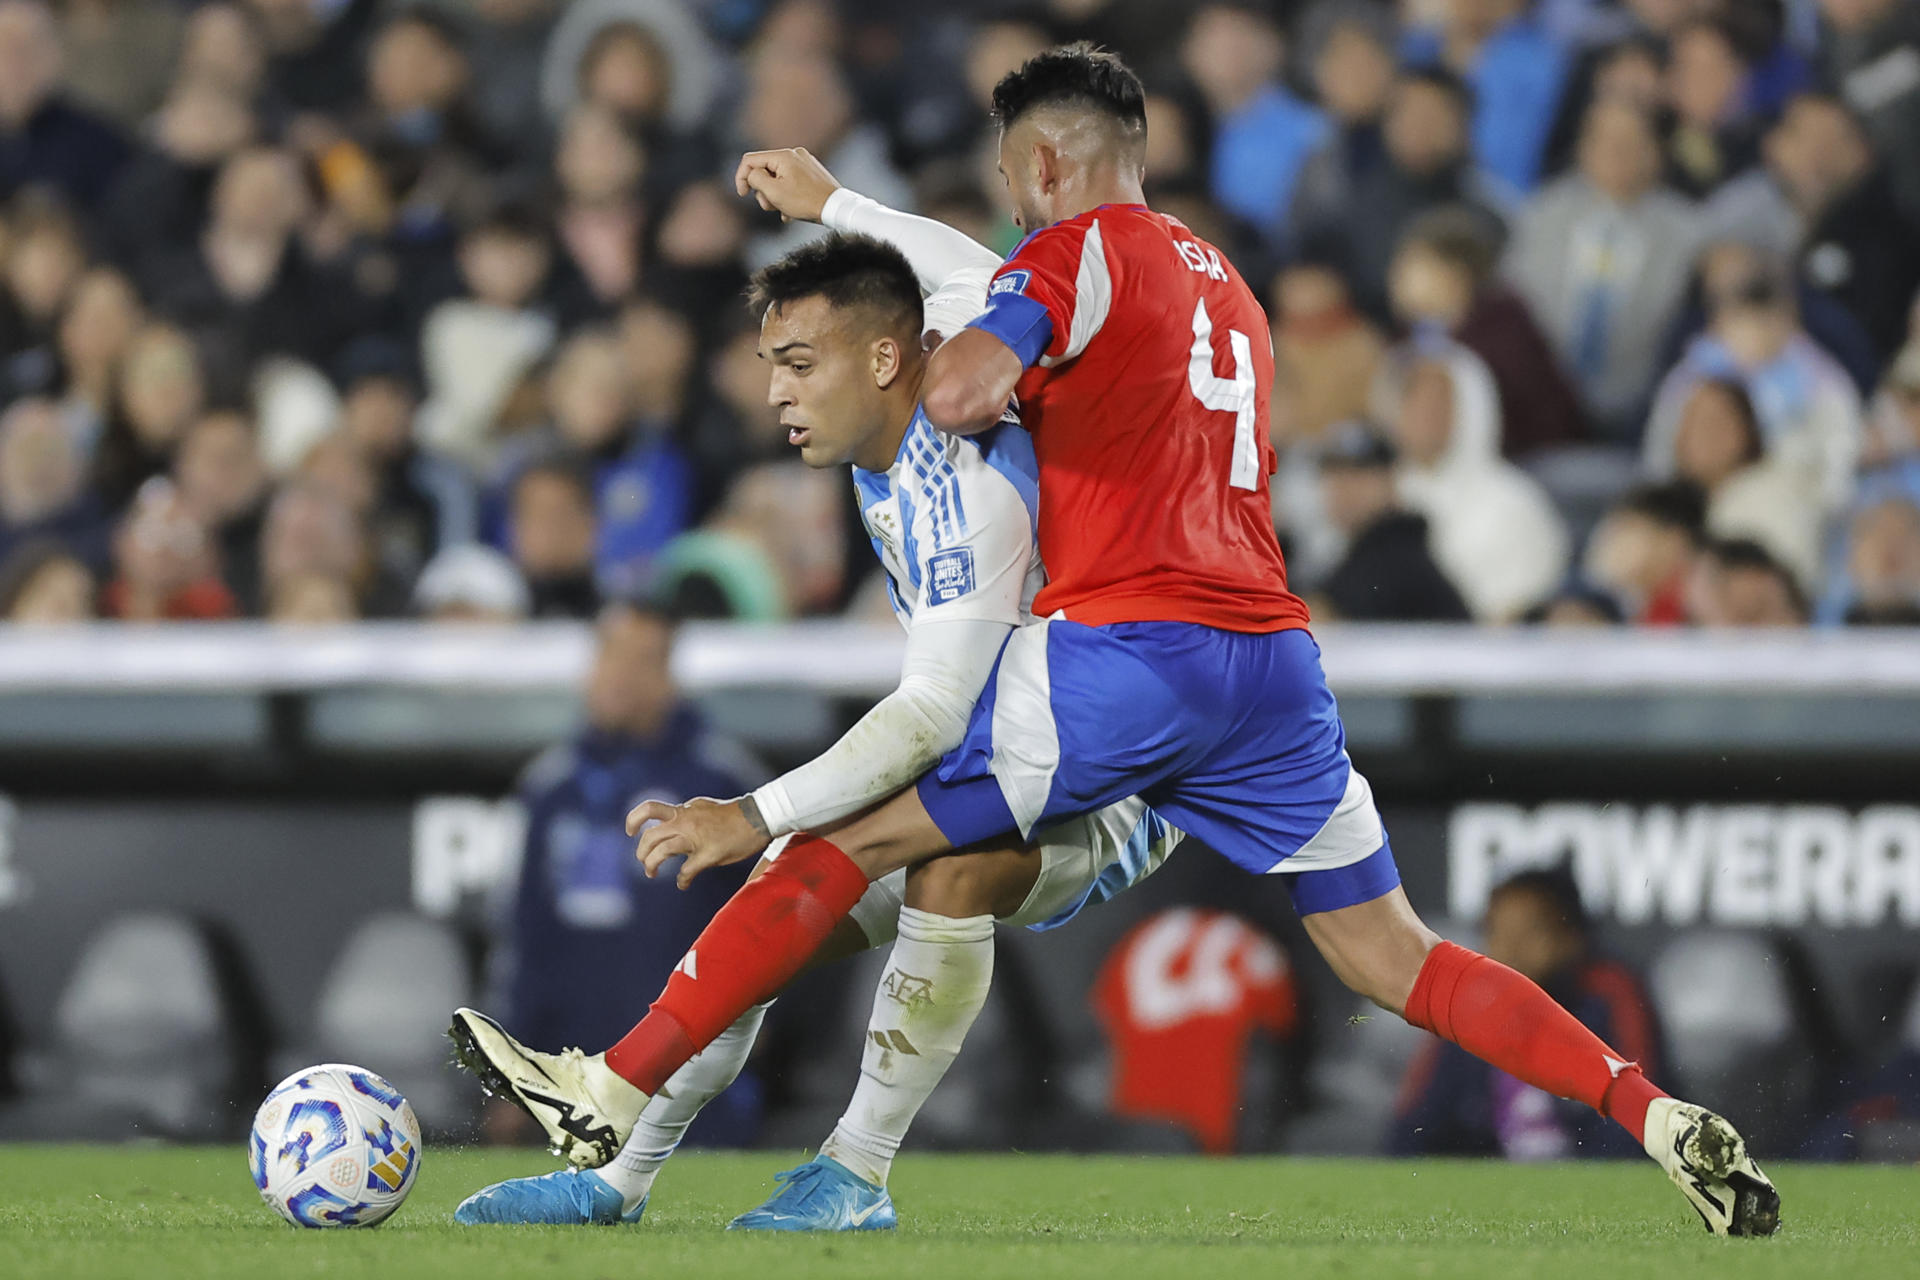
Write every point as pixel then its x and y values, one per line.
pixel 1149 373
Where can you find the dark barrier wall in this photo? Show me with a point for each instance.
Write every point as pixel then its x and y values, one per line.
pixel 288 881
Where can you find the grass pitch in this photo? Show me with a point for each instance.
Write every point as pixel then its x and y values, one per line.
pixel 160 1212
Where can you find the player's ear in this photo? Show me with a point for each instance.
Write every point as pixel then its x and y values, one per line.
pixel 1046 166
pixel 887 360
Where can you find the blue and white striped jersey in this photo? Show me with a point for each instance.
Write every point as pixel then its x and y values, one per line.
pixel 954 520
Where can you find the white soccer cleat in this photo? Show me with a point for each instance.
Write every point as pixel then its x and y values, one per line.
pixel 1707 1159
pixel 586 1110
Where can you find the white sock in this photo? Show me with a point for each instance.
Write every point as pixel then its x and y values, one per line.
pixel 934 987
pixel 704 1077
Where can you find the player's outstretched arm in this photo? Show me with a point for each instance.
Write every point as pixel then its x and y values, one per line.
pixel 796 185
pixel 969 381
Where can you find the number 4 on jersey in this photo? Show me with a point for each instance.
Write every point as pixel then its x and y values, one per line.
pixel 1236 395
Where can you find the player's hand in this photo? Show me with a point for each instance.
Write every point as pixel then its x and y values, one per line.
pixel 791 183
pixel 709 833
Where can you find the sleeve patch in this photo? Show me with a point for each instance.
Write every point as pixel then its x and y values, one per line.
pixel 949 576
pixel 1014 281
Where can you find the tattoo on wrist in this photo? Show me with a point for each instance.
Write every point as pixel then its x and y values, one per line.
pixel 750 810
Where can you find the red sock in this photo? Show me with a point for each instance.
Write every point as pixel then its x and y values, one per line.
pixel 749 950
pixel 1501 1017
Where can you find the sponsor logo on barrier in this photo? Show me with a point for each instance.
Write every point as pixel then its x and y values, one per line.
pixel 464 848
pixel 1733 865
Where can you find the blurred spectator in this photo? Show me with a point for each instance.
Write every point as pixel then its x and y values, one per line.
pixel 735 426
pixel 802 100
pixel 160 199
pixel 42 484
pixel 643 483
pixel 1632 70
pixel 776 548
pixel 161 388
pixel 1871 49
pixel 310 533
pixel 314 50
pixel 1808 409
pixel 1601 256
pixel 1710 139
pixel 506 41
pixel 1738 583
pixel 43 137
pixel 1576 605
pixel 1881 578
pixel 1825 199
pixel 1720 447
pixel 42 582
pixel 1357 215
pixel 1443 278
pixel 223 481
pixel 1643 548
pixel 420 502
pixel 419 128
pixel 1518 72
pixel 1325 352
pixel 475 348
pixel 470 583
pixel 647 60
pixel 552 532
pixel 1451 1103
pixel 1495 533
pixel 118 53
pixel 167 568
pixel 312 599
pixel 1893 420
pixel 225 43
pixel 582 904
pixel 1387 574
pixel 96 329
pixel 250 284
pixel 44 259
pixel 1262 134
pixel 599 165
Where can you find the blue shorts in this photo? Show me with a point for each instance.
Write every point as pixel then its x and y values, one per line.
pixel 1231 737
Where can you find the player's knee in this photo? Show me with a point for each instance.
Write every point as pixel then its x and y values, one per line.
pixel 965 885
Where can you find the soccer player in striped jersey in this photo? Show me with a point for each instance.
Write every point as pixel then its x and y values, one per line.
pixel 952 521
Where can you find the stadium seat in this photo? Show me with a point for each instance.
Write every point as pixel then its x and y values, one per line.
pixel 153 1036
pixel 1738 1040
pixel 384 1006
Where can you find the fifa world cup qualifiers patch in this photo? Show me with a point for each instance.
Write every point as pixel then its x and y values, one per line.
pixel 1014 281
pixel 949 576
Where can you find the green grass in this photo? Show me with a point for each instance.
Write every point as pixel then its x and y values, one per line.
pixel 159 1212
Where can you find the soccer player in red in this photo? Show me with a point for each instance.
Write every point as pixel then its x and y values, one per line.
pixel 1173 662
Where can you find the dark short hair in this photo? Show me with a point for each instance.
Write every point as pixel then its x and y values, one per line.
pixel 1081 75
pixel 848 271
pixel 1739 554
pixel 562 467
pixel 1560 890
pixel 1458 234
pixel 1443 81
pixel 1676 504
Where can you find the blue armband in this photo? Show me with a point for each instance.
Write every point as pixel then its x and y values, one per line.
pixel 1018 321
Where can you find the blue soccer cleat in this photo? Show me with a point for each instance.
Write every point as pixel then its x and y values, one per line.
pixel 821 1195
pixel 565 1198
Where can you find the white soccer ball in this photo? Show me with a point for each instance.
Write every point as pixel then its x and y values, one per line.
pixel 334 1146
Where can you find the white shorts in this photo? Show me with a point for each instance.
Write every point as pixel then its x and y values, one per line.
pixel 1082 861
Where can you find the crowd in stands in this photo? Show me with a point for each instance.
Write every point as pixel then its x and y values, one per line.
pixel 1585 311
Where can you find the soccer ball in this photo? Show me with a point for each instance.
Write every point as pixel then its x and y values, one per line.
pixel 334 1146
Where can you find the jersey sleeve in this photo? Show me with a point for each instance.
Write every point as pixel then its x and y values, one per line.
pixel 974 542
pixel 1049 300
